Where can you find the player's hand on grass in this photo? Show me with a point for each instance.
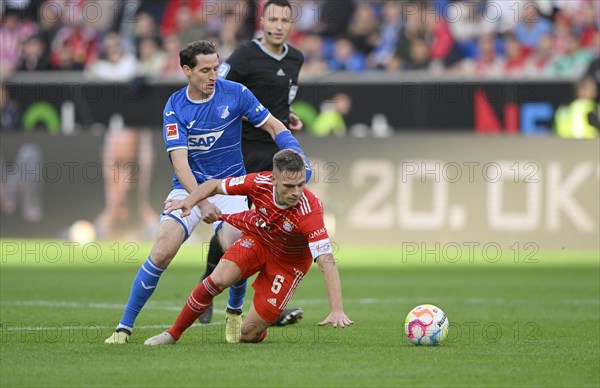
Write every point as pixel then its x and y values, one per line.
pixel 337 319
pixel 294 123
pixel 210 213
pixel 178 204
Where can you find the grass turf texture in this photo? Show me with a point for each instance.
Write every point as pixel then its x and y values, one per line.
pixel 511 324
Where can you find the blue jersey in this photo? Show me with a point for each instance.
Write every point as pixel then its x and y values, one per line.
pixel 211 129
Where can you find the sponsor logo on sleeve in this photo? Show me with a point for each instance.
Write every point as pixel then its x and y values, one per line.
pixel 237 180
pixel 223 70
pixel 172 131
pixel 292 93
pixel 317 233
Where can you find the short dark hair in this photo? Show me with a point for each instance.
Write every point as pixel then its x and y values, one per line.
pixel 278 3
pixel 187 56
pixel 288 160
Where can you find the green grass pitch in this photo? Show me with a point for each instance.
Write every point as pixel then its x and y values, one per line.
pixel 513 322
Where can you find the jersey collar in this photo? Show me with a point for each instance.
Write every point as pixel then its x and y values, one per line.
pixel 269 53
pixel 200 101
pixel 282 207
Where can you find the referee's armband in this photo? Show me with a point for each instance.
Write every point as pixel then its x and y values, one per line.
pixel 285 140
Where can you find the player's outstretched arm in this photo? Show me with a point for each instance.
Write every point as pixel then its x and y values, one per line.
pixel 284 139
pixel 336 317
pixel 200 193
pixel 273 126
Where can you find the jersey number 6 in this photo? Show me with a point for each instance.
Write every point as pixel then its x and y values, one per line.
pixel 277 283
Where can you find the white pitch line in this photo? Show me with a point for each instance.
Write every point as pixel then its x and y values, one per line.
pixel 302 302
pixel 97 327
pixel 168 307
pixel 80 305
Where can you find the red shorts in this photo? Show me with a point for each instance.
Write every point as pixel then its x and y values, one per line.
pixel 277 281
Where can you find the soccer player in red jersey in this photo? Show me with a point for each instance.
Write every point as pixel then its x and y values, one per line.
pixel 281 237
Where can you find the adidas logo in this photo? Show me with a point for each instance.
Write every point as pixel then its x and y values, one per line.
pixel 273 301
pixel 280 72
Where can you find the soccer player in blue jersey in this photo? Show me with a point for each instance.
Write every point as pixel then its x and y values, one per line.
pixel 202 132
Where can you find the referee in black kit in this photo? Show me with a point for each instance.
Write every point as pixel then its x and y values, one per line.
pixel 269 68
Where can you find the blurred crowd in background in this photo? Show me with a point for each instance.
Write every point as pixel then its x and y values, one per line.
pixel 121 40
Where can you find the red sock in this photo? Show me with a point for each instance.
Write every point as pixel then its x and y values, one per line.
pixel 197 303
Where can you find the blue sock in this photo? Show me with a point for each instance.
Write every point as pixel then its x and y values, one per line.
pixel 237 292
pixel 143 286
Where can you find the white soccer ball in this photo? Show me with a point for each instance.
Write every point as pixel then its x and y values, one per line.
pixel 82 232
pixel 426 325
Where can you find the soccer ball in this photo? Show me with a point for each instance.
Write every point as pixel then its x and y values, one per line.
pixel 426 325
pixel 82 232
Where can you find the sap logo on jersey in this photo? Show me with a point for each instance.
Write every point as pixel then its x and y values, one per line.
pixel 203 142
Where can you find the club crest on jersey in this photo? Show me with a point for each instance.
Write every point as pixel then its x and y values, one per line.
pixel 172 131
pixel 203 142
pixel 246 244
pixel 287 226
pixel 223 111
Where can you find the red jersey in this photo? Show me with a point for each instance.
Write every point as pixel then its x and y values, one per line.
pixel 292 233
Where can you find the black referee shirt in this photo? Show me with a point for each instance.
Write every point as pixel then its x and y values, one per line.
pixel 273 79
